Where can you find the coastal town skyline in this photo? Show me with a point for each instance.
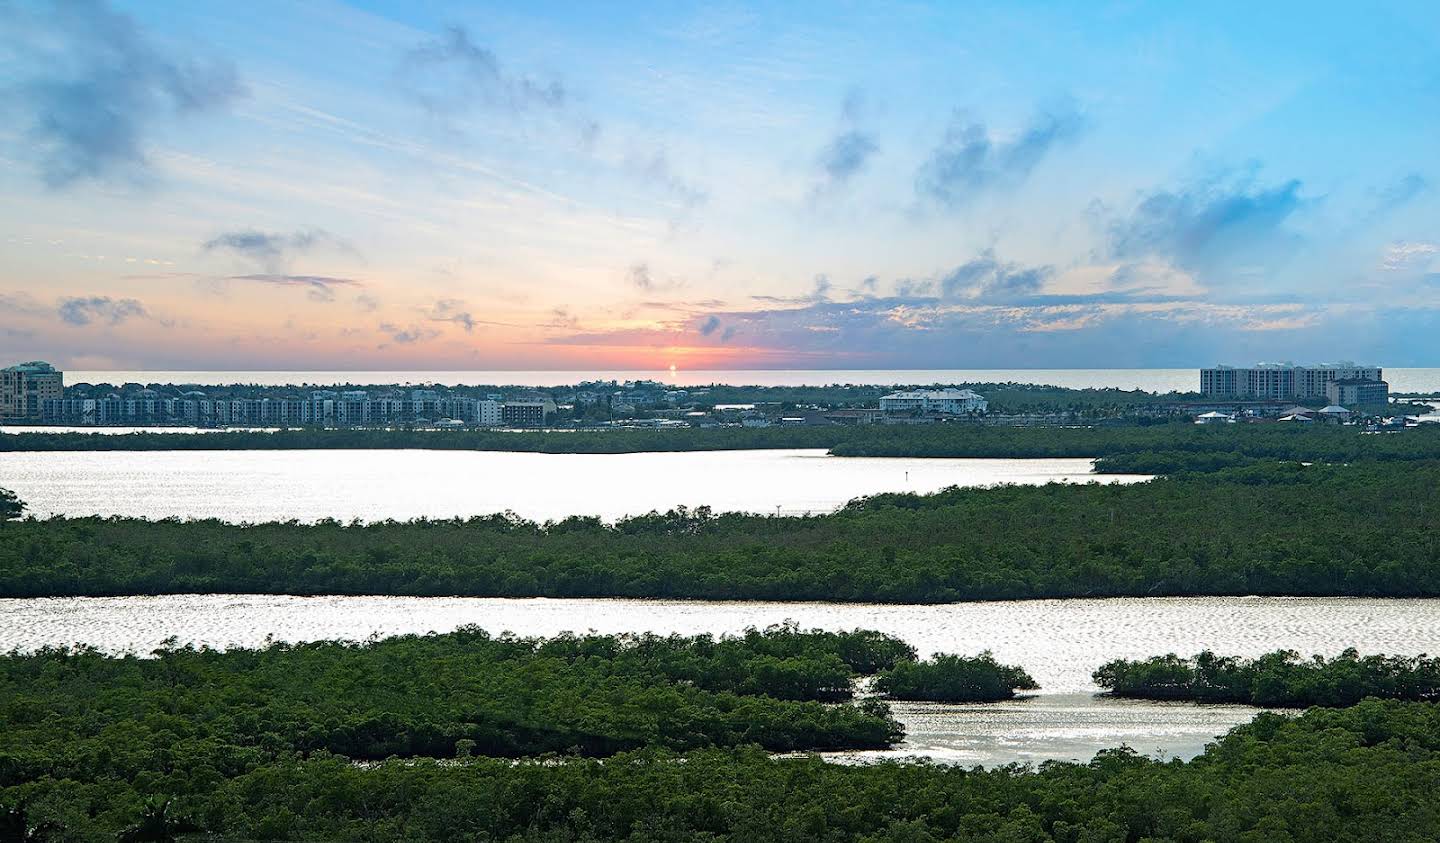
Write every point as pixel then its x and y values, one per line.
pixel 387 186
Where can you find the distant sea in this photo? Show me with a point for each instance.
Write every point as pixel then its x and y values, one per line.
pixel 1151 380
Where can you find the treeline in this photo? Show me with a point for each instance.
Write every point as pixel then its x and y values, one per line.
pixel 1368 529
pixel 1280 678
pixel 1219 445
pixel 1369 772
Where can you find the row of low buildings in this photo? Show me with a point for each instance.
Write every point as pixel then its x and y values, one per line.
pixel 322 407
pixel 35 392
pixel 1341 383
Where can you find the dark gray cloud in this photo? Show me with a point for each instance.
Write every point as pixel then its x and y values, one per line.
pixel 710 325
pixel 848 152
pixel 452 74
pixel 85 310
pixel 985 277
pixel 1210 228
pixel 319 288
pixel 95 88
pixel 969 160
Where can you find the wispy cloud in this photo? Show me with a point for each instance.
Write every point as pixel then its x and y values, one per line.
pixel 1211 227
pixel 452 73
pixel 274 250
pixel 970 160
pixel 644 278
pixel 407 336
pixel 1402 190
pixel 819 293
pixel 96 86
pixel 848 152
pixel 561 317
pixel 452 310
pixel 1404 256
pixel 653 167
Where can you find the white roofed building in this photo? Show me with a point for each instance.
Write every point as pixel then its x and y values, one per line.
pixel 945 401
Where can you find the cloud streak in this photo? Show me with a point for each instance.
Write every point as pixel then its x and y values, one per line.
pixel 320 288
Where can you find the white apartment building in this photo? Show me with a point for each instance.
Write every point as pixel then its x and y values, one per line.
pixel 489 412
pixel 1279 381
pixel 946 401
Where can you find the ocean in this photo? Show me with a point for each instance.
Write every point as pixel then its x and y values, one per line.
pixel 1151 380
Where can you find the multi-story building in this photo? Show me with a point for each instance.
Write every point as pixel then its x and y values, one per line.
pixel 946 401
pixel 1356 392
pixel 532 413
pixel 25 387
pixel 489 413
pixel 1280 381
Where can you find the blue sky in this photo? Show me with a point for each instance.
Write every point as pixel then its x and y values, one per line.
pixel 820 185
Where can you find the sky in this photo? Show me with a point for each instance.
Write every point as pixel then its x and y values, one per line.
pixel 816 185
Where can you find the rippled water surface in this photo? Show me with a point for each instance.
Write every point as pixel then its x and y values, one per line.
pixel 401 484
pixel 1059 642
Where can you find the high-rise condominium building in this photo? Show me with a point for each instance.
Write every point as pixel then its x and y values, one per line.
pixel 24 387
pixel 1280 381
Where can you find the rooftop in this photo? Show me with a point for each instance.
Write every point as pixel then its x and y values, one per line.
pixel 34 367
pixel 936 394
pixel 1343 364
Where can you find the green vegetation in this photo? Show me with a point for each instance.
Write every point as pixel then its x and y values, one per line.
pixel 950 678
pixel 1275 679
pixel 1208 446
pixel 1369 772
pixel 11 506
pixel 1280 529
pixel 193 716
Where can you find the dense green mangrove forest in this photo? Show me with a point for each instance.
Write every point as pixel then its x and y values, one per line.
pixel 1370 528
pixel 639 737
pixel 74 712
pixel 1324 443
pixel 1276 679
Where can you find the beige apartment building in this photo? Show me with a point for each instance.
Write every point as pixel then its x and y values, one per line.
pixel 25 387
